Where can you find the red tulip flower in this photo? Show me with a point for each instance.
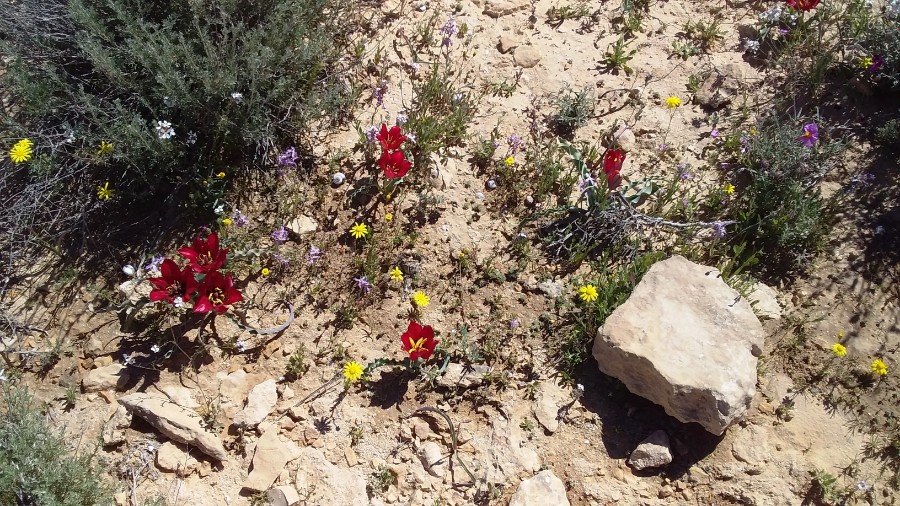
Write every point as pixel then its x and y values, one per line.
pixel 394 164
pixel 612 164
pixel 205 255
pixel 174 283
pixel 418 341
pixel 217 292
pixel 803 5
pixel 390 139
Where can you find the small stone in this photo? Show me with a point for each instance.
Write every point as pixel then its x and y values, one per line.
pixel 350 455
pixel 764 300
pixel 260 402
pixel 171 458
pixel 105 378
pixel 175 422
pixel 303 225
pixel 526 57
pixel 284 495
pixel 507 44
pixel 103 361
pixel 491 184
pixel 432 459
pixel 653 452
pixel 269 458
pixel 552 289
pixel 625 139
pixel 443 172
pixel 497 8
pixel 543 489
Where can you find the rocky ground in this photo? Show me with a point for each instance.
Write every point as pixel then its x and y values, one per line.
pixel 237 432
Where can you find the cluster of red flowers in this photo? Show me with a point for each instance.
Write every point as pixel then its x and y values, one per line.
pixel 612 164
pixel 393 162
pixel 418 341
pixel 201 277
pixel 803 5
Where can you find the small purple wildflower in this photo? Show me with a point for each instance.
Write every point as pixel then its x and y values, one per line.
pixel 411 137
pixel 724 165
pixel 288 158
pixel 314 255
pixel 514 323
pixel 810 134
pixel 371 133
pixel 496 144
pixel 379 91
pixel 448 31
pixel 714 133
pixel 745 144
pixel 402 119
pixel 515 143
pixel 877 63
pixel 280 236
pixel 363 284
pixel 155 262
pixel 866 178
pixel 585 183
pixel 239 219
pixel 863 486
pixel 718 230
pixel 663 147
pixel 685 202
pixel 684 172
pixel 281 260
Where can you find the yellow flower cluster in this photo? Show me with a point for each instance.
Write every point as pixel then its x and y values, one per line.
pixel 21 151
pixel 673 102
pixel 353 371
pixel 105 192
pixel 879 367
pixel 839 349
pixel 396 274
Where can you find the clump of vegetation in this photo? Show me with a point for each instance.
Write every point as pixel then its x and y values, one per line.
pixel 36 466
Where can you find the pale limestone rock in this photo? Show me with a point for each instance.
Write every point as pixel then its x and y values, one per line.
pixel 686 341
pixel 497 8
pixel 653 452
pixel 114 376
pixel 269 458
pixel 260 402
pixel 543 489
pixel 765 301
pixel 171 458
pixel 507 44
pixel 327 483
pixel 526 57
pixel 303 225
pixel 546 406
pixel 285 495
pixel 175 422
pixel 432 459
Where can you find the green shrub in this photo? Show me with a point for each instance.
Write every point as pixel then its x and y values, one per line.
pixel 35 466
pixel 238 81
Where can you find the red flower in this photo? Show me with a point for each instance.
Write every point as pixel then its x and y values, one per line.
pixel 173 284
pixel 217 292
pixel 390 139
pixel 394 164
pixel 612 164
pixel 205 255
pixel 418 341
pixel 803 5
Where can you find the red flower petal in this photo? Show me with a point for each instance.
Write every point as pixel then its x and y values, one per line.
pixel 203 305
pixel 188 253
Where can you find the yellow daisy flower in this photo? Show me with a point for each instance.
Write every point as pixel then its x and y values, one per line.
pixel 673 102
pixel 221 175
pixel 105 192
pixel 588 293
pixel 839 349
pixel 105 148
pixel 729 189
pixel 353 371
pixel 359 230
pixel 265 271
pixel 227 221
pixel 420 299
pixel 866 62
pixel 509 161
pixel 388 217
pixel 21 151
pixel 879 367
pixel 396 274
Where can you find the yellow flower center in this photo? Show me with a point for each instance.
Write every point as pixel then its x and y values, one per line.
pixel 416 345
pixel 217 296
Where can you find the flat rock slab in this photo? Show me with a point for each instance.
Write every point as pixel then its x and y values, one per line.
pixel 543 489
pixel 687 341
pixel 175 422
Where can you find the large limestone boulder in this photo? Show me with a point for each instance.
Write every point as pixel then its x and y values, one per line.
pixel 686 341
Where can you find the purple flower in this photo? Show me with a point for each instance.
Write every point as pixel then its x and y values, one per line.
pixel 663 147
pixel 745 144
pixel 877 63
pixel 371 133
pixel 314 255
pixel 288 158
pixel 718 230
pixel 379 91
pixel 448 31
pixel 280 236
pixel 239 219
pixel 515 143
pixel 685 174
pixel 155 262
pixel 585 183
pixel 810 135
pixel 411 137
pixel 281 260
pixel 402 119
pixel 514 323
pixel 724 165
pixel 714 133
pixel 363 284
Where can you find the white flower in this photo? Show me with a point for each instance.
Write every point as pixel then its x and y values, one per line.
pixel 155 348
pixel 751 45
pixel 580 387
pixel 411 137
pixel 128 270
pixel 191 138
pixel 241 345
pixel 128 359
pixel 169 101
pixel 415 67
pixel 219 209
pixel 237 97
pixel 402 119
pixel 3 376
pixel 164 130
pixel 178 302
pixel 338 178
